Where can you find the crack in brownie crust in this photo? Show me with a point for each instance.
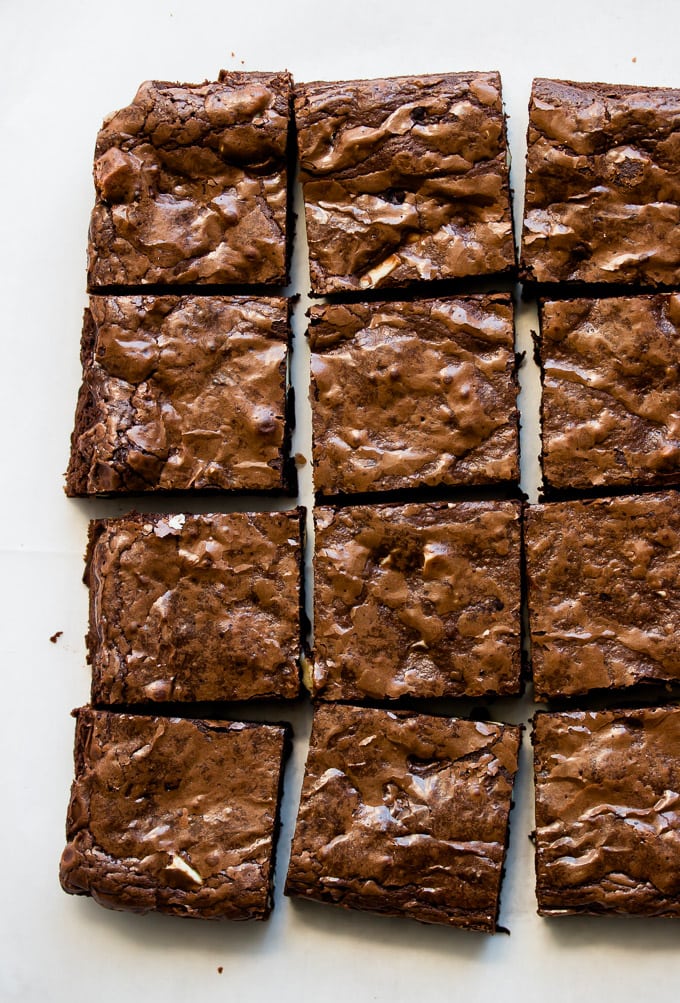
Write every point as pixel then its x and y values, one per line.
pixel 405 814
pixel 191 184
pixel 404 179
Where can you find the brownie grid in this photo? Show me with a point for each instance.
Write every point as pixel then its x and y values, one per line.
pixel 405 267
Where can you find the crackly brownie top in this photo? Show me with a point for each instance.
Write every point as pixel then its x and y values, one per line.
pixel 604 592
pixel 202 607
pixel 416 600
pixel 173 815
pixel 181 392
pixel 413 393
pixel 611 401
pixel 404 179
pixel 608 811
pixel 191 184
pixel 405 814
pixel 602 197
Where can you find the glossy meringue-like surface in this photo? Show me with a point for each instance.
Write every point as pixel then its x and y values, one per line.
pixel 413 393
pixel 604 592
pixel 172 815
pixel 608 812
pixel 405 814
pixel 416 600
pixel 405 179
pixel 194 607
pixel 602 199
pixel 611 391
pixel 191 184
pixel 181 392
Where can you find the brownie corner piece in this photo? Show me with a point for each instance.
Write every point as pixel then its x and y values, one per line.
pixel 413 393
pixel 405 179
pixel 217 616
pixel 174 815
pixel 611 391
pixel 602 199
pixel 417 600
pixel 405 814
pixel 607 824
pixel 191 184
pixel 182 393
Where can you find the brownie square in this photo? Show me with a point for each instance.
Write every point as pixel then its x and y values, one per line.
pixel 413 393
pixel 611 391
pixel 404 179
pixel 602 201
pixel 191 185
pixel 180 393
pixel 194 607
pixel 173 815
pixel 405 814
pixel 416 600
pixel 604 593
pixel 607 822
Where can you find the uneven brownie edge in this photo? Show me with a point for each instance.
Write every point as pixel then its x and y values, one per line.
pixel 414 393
pixel 417 601
pixel 405 814
pixel 407 228
pixel 192 185
pixel 602 201
pixel 194 608
pixel 607 825
pixel 603 583
pixel 168 437
pixel 610 372
pixel 165 878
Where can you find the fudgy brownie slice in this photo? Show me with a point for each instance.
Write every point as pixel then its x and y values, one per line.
pixel 405 179
pixel 602 200
pixel 604 592
pixel 405 814
pixel 413 393
pixel 174 815
pixel 416 600
pixel 181 392
pixel 611 391
pixel 607 820
pixel 191 184
pixel 194 607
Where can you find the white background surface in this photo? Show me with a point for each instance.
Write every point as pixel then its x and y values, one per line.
pixel 63 65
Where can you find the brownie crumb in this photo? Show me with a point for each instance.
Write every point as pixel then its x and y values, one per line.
pixel 55 637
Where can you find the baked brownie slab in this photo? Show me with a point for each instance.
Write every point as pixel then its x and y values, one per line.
pixel 604 593
pixel 413 393
pixel 191 184
pixel 611 391
pixel 181 392
pixel 602 200
pixel 416 600
pixel 173 815
pixel 607 820
pixel 190 608
pixel 404 179
pixel 405 814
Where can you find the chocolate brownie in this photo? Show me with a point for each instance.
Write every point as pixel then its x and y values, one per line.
pixel 404 179
pixel 174 815
pixel 191 184
pixel 413 393
pixel 611 391
pixel 604 593
pixel 179 393
pixel 416 600
pixel 194 607
pixel 602 200
pixel 607 820
pixel 405 814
